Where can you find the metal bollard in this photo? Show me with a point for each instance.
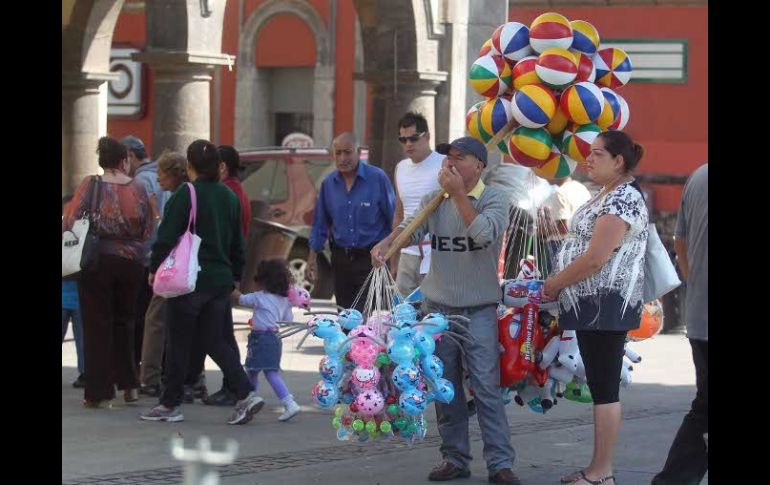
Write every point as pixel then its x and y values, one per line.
pixel 200 464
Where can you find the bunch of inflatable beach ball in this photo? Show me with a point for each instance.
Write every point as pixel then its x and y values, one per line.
pixel 558 86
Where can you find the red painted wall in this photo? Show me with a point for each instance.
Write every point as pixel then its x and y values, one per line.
pixel 345 45
pixel 669 120
pixel 286 41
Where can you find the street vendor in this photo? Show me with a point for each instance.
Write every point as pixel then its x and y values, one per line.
pixel 466 236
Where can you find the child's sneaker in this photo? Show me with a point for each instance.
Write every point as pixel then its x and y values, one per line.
pixel 292 408
pixel 246 408
pixel 162 413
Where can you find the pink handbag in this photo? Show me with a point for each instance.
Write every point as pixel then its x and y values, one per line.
pixel 178 273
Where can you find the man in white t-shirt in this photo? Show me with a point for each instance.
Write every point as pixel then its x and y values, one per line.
pixel 415 176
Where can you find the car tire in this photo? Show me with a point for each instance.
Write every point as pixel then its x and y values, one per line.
pixel 324 287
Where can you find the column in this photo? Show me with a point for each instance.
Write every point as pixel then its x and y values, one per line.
pixel 80 126
pixel 414 92
pixel 181 98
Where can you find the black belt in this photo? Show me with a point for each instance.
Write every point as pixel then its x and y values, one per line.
pixel 365 251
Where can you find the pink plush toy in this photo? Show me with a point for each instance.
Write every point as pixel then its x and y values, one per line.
pixel 299 297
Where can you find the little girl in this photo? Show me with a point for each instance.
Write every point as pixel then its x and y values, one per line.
pixel 271 305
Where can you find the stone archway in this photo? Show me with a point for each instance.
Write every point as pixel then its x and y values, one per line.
pixel 251 107
pixel 87 28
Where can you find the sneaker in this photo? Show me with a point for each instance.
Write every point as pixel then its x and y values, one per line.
pixel 292 408
pixel 162 413
pixel 221 398
pixel 246 409
pixel 80 382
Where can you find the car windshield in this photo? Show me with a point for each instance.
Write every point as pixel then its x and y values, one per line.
pixel 265 181
pixel 317 170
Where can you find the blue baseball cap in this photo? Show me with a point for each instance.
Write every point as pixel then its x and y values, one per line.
pixel 135 144
pixel 466 144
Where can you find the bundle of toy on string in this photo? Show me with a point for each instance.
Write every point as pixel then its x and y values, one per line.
pixel 557 83
pixel 379 371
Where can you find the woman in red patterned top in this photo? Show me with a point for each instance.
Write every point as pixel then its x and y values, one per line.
pixel 108 293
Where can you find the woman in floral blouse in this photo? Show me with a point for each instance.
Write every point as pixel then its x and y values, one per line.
pixel 108 293
pixel 598 278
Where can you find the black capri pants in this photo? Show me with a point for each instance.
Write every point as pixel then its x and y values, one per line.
pixel 602 353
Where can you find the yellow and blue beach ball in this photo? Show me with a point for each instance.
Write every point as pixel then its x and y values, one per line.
pixel 585 37
pixel 494 115
pixel 582 102
pixel 533 105
pixel 611 109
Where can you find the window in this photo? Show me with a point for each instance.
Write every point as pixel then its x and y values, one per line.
pixel 266 181
pixel 654 60
pixel 317 170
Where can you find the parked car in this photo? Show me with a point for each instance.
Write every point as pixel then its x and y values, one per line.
pixel 283 185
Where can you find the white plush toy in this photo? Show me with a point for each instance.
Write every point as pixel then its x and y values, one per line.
pixel 569 353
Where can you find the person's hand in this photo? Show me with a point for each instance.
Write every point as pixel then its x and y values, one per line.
pixel 451 181
pixel 551 289
pixel 235 296
pixel 378 252
pixel 151 279
pixel 311 270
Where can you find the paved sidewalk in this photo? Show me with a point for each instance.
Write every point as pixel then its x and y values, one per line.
pixel 115 447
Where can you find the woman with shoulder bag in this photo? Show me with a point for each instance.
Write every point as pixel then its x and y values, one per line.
pixel 198 316
pixel 598 279
pixel 108 291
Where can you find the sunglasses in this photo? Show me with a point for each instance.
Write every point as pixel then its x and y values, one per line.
pixel 412 138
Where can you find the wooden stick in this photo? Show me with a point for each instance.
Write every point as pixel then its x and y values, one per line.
pixel 431 206
pixel 402 238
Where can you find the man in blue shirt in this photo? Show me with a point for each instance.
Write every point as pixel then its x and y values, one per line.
pixel 354 212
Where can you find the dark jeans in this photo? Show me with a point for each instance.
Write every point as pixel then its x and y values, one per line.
pixel 198 355
pixel 350 267
pixel 142 302
pixel 108 306
pixel 199 315
pixel 687 460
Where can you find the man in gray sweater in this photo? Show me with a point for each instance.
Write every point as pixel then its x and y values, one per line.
pixel 466 236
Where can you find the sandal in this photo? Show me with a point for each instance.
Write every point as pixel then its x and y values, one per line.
pixel 595 482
